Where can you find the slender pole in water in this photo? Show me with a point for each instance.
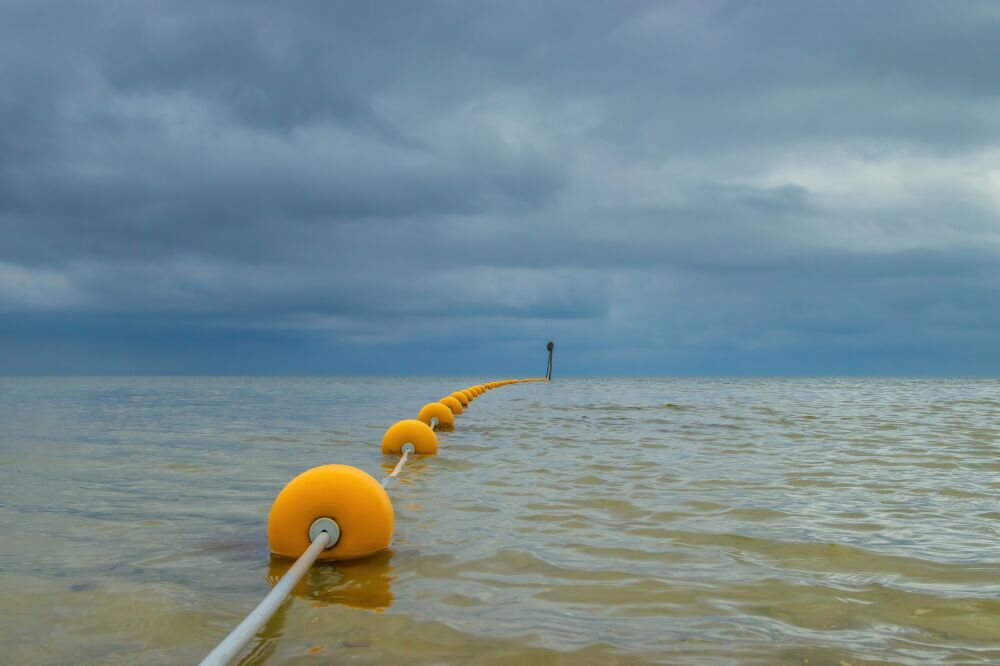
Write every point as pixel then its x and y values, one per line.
pixel 258 617
pixel 548 370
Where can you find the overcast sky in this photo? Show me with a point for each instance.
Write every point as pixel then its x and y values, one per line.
pixel 704 187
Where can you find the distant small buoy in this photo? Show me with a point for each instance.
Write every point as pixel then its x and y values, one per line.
pixel 451 403
pixel 436 410
pixel 461 397
pixel 354 501
pixel 468 394
pixel 410 431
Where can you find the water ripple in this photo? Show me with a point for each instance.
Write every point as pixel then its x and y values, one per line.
pixel 766 521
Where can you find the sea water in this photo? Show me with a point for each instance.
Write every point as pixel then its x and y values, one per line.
pixel 584 521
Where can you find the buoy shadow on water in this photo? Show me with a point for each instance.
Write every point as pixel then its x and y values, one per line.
pixel 417 465
pixel 364 583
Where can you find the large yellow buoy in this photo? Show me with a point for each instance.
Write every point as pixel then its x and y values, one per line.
pixel 355 502
pixel 436 410
pixel 451 403
pixel 410 431
pixel 461 397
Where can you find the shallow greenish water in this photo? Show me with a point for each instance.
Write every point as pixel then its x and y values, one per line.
pixel 687 521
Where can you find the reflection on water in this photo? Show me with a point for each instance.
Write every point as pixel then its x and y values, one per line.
pixel 364 584
pixel 582 522
pixel 415 464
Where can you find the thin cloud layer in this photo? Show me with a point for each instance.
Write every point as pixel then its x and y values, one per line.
pixel 686 187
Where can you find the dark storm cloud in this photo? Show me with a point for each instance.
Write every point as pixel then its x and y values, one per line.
pixel 718 187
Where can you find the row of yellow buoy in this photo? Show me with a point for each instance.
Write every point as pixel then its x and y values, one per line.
pixel 353 500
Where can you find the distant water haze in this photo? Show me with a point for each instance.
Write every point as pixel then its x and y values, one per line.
pixel 584 521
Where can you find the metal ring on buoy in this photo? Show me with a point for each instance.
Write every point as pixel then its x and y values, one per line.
pixel 410 431
pixel 354 501
pixel 436 410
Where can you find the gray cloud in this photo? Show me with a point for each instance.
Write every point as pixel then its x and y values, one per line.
pixel 715 187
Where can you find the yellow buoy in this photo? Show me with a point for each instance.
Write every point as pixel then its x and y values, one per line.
pixel 352 499
pixel 410 431
pixel 470 396
pixel 461 397
pixel 451 403
pixel 436 410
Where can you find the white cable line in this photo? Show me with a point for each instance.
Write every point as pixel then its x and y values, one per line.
pixel 258 617
pixel 399 466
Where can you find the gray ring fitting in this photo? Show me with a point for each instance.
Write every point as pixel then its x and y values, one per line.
pixel 328 525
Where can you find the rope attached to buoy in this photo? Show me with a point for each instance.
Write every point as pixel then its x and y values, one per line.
pixel 258 617
pixel 338 512
pixel 407 450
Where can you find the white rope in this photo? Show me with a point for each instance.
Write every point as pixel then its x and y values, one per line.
pixel 258 617
pixel 398 468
